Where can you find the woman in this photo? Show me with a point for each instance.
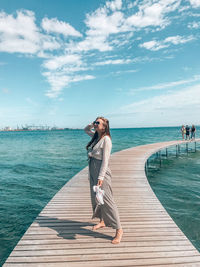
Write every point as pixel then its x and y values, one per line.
pixel 183 132
pixel 99 149
pixel 193 130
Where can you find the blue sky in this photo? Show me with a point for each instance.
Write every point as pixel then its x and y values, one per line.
pixel 62 63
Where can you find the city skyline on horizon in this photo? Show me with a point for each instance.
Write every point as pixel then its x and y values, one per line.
pixel 65 63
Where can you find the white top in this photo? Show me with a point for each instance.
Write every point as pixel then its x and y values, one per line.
pixel 100 151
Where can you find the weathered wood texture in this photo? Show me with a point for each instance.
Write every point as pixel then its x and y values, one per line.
pixel 62 233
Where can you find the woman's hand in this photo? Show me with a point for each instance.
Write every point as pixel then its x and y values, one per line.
pixel 100 182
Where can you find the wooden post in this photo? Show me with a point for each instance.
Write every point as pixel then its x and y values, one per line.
pixel 195 146
pixel 176 151
pixel 166 153
pixel 187 147
pixel 179 149
pixel 147 163
pixel 146 167
pixel 160 157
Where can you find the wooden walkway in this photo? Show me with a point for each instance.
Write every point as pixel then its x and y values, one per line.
pixel 62 233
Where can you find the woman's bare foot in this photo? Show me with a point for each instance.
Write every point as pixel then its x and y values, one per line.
pixel 118 236
pixel 101 224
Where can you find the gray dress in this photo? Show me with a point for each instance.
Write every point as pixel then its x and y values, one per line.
pixel 108 211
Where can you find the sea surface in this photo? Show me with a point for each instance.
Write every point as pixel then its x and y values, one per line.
pixel 34 165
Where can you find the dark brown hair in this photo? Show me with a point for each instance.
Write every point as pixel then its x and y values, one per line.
pixel 95 136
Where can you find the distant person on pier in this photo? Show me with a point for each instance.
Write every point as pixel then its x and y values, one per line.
pixel 99 149
pixel 187 128
pixel 193 131
pixel 183 132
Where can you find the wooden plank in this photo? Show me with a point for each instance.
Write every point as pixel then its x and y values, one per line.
pixel 94 251
pixel 185 261
pixel 101 256
pixel 97 240
pixel 26 245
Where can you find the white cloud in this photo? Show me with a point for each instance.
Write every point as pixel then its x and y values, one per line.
pixel 124 71
pixel 121 40
pixel 78 78
pixel 100 23
pixel 183 8
pixel 103 22
pixel 21 35
pixel 90 43
pixel 23 25
pixel 55 26
pixel 175 40
pixel 145 59
pixel 62 71
pixel 59 81
pixel 48 43
pixel 178 39
pixel 167 85
pixel 60 61
pixel 195 3
pixel 114 5
pixel 113 62
pixel 44 54
pixel 153 14
pixel 148 16
pixel 109 20
pixel 173 108
pixel 153 45
pixel 187 97
pixel 75 68
pixel 194 25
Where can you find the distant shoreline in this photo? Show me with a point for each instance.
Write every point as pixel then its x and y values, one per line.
pixel 38 130
pixel 72 129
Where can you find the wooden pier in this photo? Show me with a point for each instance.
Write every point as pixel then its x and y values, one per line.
pixel 62 233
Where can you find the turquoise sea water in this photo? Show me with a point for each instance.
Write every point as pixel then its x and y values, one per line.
pixel 177 186
pixel 35 165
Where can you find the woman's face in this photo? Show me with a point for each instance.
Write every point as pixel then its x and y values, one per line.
pixel 99 126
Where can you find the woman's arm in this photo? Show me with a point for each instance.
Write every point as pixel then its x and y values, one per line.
pixel 107 146
pixel 88 130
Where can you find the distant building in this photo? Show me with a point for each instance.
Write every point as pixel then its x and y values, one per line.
pixel 8 128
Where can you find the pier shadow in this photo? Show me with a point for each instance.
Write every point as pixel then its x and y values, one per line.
pixel 69 229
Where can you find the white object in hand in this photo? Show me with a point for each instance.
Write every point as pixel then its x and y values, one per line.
pixel 99 194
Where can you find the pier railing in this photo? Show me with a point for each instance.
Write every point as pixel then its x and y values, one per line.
pixel 188 146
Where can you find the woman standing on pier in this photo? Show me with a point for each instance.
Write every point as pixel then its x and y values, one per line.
pixel 99 149
pixel 183 132
pixel 193 130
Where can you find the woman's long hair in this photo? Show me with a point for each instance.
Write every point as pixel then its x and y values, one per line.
pixel 95 136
